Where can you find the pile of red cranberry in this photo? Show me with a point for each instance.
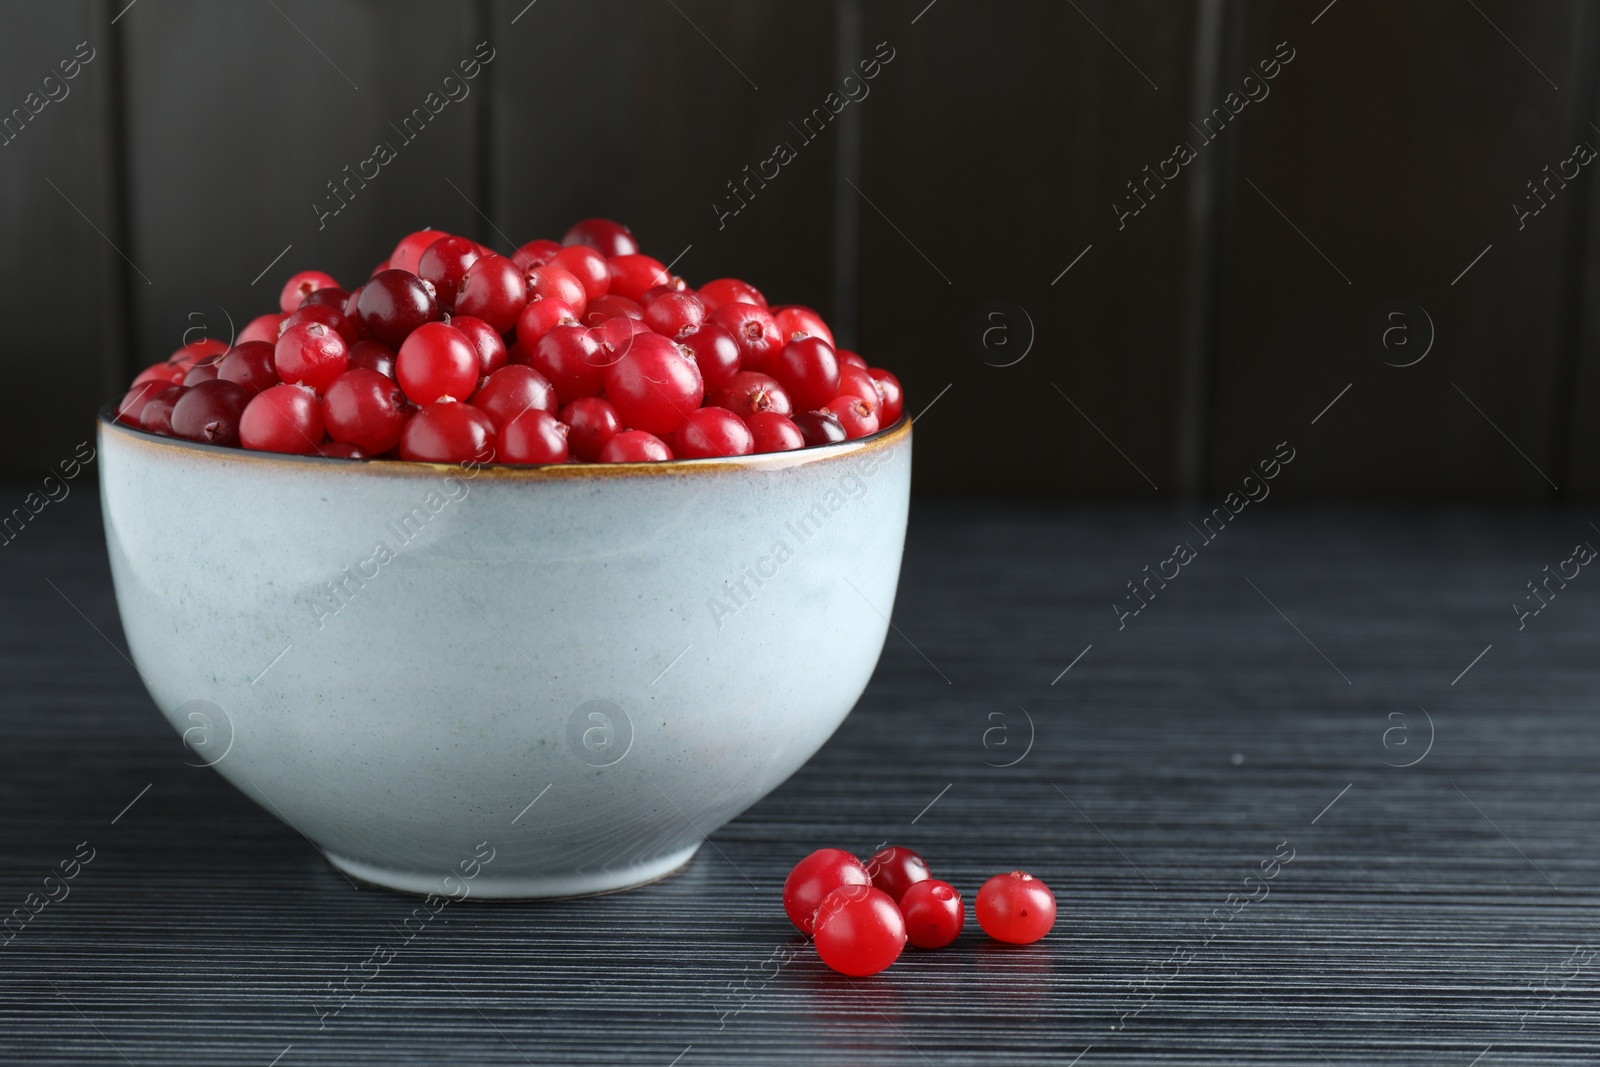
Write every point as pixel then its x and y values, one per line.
pixel 581 351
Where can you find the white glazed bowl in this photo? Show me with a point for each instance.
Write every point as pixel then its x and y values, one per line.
pixel 397 659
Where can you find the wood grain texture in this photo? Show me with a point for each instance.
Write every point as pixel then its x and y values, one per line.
pixel 1429 912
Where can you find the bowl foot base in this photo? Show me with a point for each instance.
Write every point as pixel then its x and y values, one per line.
pixel 490 885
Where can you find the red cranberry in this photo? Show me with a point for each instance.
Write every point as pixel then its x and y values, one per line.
pixel 749 392
pixel 329 296
pixel 260 328
pixel 448 431
pixel 773 432
pixel 859 930
pixel 302 285
pixel 210 413
pixel 712 432
pixel 632 274
pixel 571 358
pixel 352 302
pixel 855 381
pixel 331 317
pixel 848 357
pixel 675 315
pixel 794 319
pixel 893 395
pixel 539 316
pixel 552 281
pixel 730 291
pixel 604 236
pixel 408 253
pixel 1015 908
pixel 933 912
pixel 754 329
pixel 493 290
pixel 194 351
pixel 592 422
pixel 587 265
pixel 392 304
pixel 635 446
pixel 715 352
pixel 858 416
pixel 616 337
pixel 167 373
pixel 808 371
pixel 365 409
pixel 443 263
pixel 673 284
pixel 437 361
pixel 533 437
pixel 895 869
pixel 510 391
pixel 655 385
pixel 819 427
pixel 156 415
pixel 133 403
pixel 813 878
pixel 370 355
pixel 282 418
pixel 535 254
pixel 486 339
pixel 340 450
pixel 610 306
pixel 311 354
pixel 203 371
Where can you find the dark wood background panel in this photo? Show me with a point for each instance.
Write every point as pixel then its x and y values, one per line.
pixel 650 126
pixel 230 147
pixel 977 162
pixel 59 225
pixel 1399 161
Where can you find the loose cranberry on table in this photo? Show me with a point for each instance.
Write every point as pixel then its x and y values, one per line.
pixel 302 285
pixel 635 446
pixel 449 431
pixel 604 236
pixel 934 913
pixel 392 304
pixel 210 412
pixel 510 391
pixel 813 878
pixel 709 432
pixel 365 409
pixel 532 436
pixel 283 418
pixel 1016 908
pixel 494 290
pixel 773 432
pixel 655 385
pixel 592 422
pixel 859 930
pixel 895 869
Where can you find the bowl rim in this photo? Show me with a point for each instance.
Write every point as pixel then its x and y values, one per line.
pixel 887 437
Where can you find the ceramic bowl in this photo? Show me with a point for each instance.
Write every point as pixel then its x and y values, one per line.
pixel 503 681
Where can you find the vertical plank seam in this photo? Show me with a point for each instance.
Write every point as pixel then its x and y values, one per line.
pixel 848 35
pixel 120 338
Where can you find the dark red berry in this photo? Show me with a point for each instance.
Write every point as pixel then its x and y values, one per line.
pixel 808 371
pixel 654 385
pixel 492 289
pixel 251 365
pixel 591 422
pixel 132 405
pixel 774 432
pixel 535 254
pixel 449 431
pixel 392 304
pixel 408 253
pixel 202 371
pixel 282 418
pixel 748 392
pixel 490 346
pixel 370 355
pixel 571 358
pixel 331 317
pixel 819 427
pixel 715 352
pixel 366 409
pixel 510 391
pixel 330 296
pixel 635 446
pixel 604 236
pixel 443 263
pixel 933 912
pixel 711 431
pixel 340 450
pixel 164 372
pixel 610 306
pixel 156 415
pixel 209 413
pixel 895 869
pixel 893 395
pixel 533 437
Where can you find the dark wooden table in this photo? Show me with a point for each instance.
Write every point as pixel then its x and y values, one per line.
pixel 1338 702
